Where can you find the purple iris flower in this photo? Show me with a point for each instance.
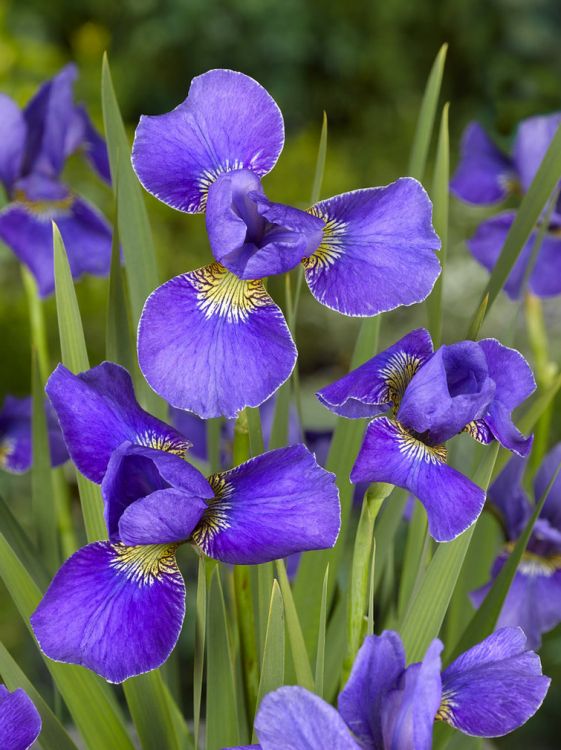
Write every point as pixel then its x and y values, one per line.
pixel 486 175
pixel 488 691
pixel 212 341
pixel 15 435
pixel 534 599
pixel 430 397
pixel 34 145
pixel 117 606
pixel 20 722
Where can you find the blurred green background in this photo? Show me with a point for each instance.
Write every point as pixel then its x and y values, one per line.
pixel 365 64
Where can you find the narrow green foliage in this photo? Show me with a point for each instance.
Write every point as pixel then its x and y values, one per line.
pixel 222 728
pixel 199 648
pixel 21 544
pixel 527 216
pixel 371 590
pixel 53 734
pixel 256 446
pixel 248 639
pixel 362 557
pixel 119 341
pixel 427 609
pixel 478 318
pixel 272 665
pixel 88 698
pixel 413 556
pixel 279 430
pixel 75 357
pixel 320 162
pixel 265 578
pixel 36 322
pixel 386 529
pixel 149 704
pixel 320 654
pixel 42 491
pixel 440 201
pixel 300 657
pixel 213 442
pixel 427 115
pixel 485 618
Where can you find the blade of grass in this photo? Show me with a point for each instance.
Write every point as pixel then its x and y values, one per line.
pixel 265 579
pixel 272 666
pixel 413 556
pixel 53 735
pixel 119 345
pixel 386 528
pixel 300 657
pixel 320 655
pixel 199 648
pixel 440 200
pixel 222 726
pixel 248 640
pixel 428 607
pixel 18 540
pixel 427 115
pixel 149 705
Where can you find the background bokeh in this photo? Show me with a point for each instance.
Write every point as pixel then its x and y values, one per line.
pixel 365 64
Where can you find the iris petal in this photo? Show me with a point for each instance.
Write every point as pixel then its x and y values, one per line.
pixel 20 722
pixel 377 251
pixel 12 139
pixel 532 140
pixel 214 344
pixel 227 122
pixel 117 610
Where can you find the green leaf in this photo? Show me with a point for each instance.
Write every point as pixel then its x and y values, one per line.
pixel 248 640
pixel 386 528
pixel 119 341
pixel 344 447
pixel 298 650
pixel 53 734
pixel 440 200
pixel 527 216
pixel 18 540
pixel 75 357
pixel 88 699
pixel 413 561
pixel 429 604
pixel 485 618
pixel 279 429
pixel 222 727
pixel 149 704
pixel 199 648
pixel 256 446
pixel 272 665
pixel 320 162
pixel 265 578
pixel 320 656
pixel 37 322
pixel 42 492
pixel 427 114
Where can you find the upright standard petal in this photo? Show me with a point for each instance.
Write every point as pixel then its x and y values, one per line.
pixel 227 122
pixel 484 175
pixel 20 722
pixel 409 711
pixel 377 251
pixel 214 344
pixel 269 507
pixel 451 390
pixel 98 411
pixel 26 227
pixel 12 140
pixel 389 453
pixel 117 610
pixel 381 381
pixel 495 687
pixel 533 138
pixel 292 718
pixel 83 135
pixel 376 671
pixel 508 496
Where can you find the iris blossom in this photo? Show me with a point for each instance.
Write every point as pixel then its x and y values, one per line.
pixel 20 722
pixel 117 606
pixel 486 175
pixel 488 691
pixel 534 599
pixel 34 145
pixel 213 341
pixel 430 397
pixel 15 435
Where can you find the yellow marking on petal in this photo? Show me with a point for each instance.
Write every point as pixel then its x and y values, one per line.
pixel 532 564
pixel 165 443
pixel 331 247
pixel 44 209
pixel 145 564
pixel 7 447
pixel 416 450
pixel 398 373
pixel 479 431
pixel 215 518
pixel 221 293
pixel 445 711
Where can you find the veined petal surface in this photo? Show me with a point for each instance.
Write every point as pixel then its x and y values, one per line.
pixel 20 722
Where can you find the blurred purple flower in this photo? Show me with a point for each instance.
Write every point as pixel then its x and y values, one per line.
pixel 488 691
pixel 363 252
pixel 486 175
pixel 117 606
pixel 432 396
pixel 34 145
pixel 20 722
pixel 534 598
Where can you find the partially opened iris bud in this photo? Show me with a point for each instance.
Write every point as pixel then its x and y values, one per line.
pixel 117 606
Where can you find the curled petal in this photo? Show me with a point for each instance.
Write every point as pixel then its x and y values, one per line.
pixel 382 380
pixel 390 454
pixel 20 722
pixel 214 344
pixel 377 251
pixel 484 175
pixel 269 507
pixel 227 122
pixel 495 687
pixel 98 411
pixel 117 610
